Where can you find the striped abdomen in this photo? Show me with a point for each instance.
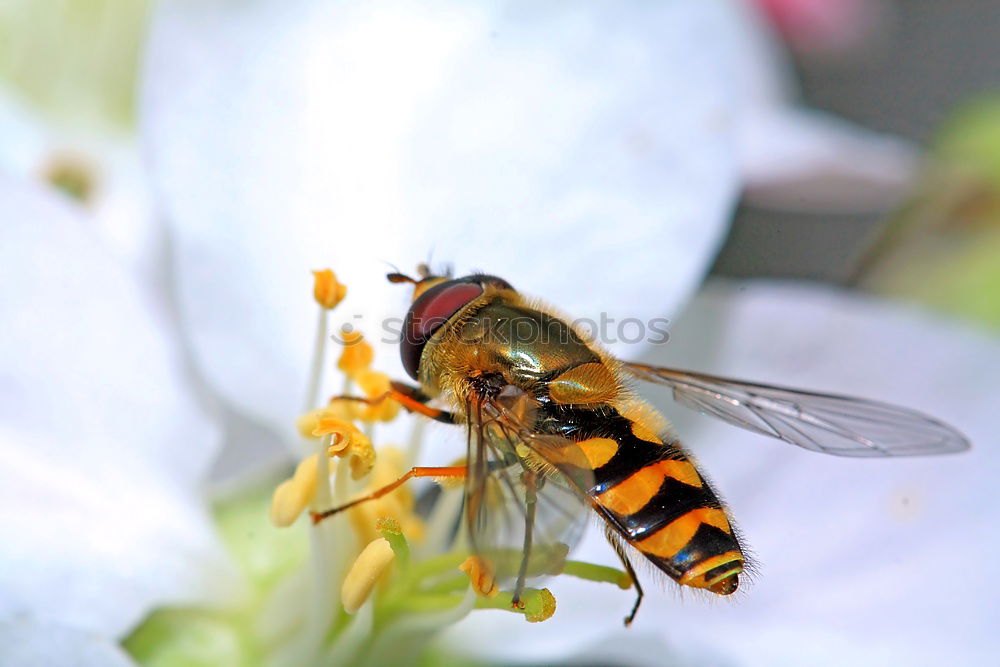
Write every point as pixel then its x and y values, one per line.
pixel 653 496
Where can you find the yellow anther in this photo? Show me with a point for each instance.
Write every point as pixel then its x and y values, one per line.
pixel 481 576
pixel 293 495
pixel 74 175
pixel 371 564
pixel 326 290
pixel 357 354
pixel 376 385
pixel 540 608
pixel 342 431
pixel 360 456
pixel 347 442
pixel 344 408
pixel 387 524
pixel 338 408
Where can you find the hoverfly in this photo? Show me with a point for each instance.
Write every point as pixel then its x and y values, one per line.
pixel 554 429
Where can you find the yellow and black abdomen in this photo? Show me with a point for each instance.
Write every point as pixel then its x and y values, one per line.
pixel 644 486
pixel 652 495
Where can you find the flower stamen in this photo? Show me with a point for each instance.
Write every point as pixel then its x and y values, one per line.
pixel 369 566
pixel 357 354
pixel 294 494
pixel 327 290
pixel 481 576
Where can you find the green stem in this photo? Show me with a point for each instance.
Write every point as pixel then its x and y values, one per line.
pixel 598 573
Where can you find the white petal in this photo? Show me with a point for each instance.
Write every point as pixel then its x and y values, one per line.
pixel 573 151
pixel 102 443
pixel 119 204
pixel 28 644
pixel 861 561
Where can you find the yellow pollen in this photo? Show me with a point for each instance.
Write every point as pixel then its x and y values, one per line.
pixel 376 385
pixel 541 609
pixel 74 175
pixel 341 409
pixel 388 525
pixel 294 494
pixel 357 355
pixel 342 432
pixel 481 576
pixel 369 566
pixel 326 290
pixel 348 442
pixel 361 458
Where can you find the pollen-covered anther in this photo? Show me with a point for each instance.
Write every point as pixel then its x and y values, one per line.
pixel 327 291
pixel 481 576
pixel 338 408
pixel 74 175
pixel 347 442
pixel 341 430
pixel 293 495
pixel 357 355
pixel 540 606
pixel 369 566
pixel 376 386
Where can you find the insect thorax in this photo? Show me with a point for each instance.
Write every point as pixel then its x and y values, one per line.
pixel 500 341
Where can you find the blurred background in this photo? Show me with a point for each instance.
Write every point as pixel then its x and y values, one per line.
pixel 920 69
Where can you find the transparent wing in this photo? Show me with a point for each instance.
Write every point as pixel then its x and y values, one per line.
pixel 839 425
pixel 525 507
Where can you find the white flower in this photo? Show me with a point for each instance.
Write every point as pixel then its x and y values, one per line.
pixel 103 446
pixel 591 157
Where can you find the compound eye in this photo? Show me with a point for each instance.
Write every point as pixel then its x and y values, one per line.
pixel 428 313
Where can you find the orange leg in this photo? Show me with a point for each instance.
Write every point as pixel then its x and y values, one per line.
pixel 410 398
pixel 450 471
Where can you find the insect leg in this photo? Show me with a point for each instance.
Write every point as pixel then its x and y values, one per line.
pixel 451 471
pixel 415 400
pixel 412 400
pixel 619 548
pixel 531 501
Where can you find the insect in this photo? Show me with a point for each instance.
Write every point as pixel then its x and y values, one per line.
pixel 554 429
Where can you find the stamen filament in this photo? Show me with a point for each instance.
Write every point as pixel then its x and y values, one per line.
pixel 597 573
pixel 319 356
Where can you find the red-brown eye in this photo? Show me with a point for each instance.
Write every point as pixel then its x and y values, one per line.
pixel 428 314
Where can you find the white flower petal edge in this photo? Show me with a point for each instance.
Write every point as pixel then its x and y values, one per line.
pixel 28 644
pixel 860 561
pixel 572 150
pixel 809 161
pixel 103 447
pixel 798 159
